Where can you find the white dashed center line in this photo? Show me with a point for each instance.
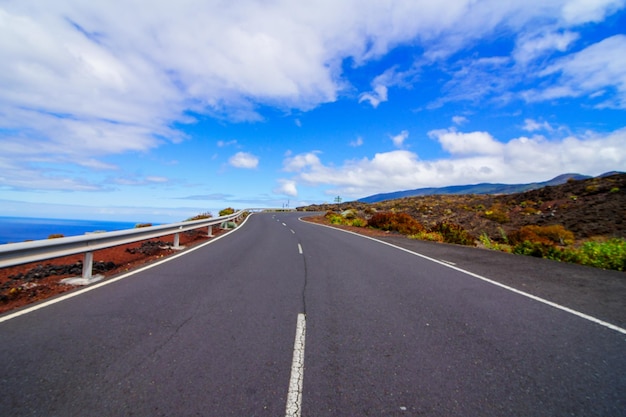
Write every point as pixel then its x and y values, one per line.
pixel 294 396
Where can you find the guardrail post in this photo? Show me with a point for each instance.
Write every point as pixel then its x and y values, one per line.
pixel 210 231
pixel 88 266
pixel 177 240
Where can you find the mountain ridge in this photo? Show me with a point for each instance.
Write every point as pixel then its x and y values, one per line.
pixel 482 188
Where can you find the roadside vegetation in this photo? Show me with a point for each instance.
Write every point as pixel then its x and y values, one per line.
pixel 226 211
pixel 140 225
pixel 200 216
pixel 581 222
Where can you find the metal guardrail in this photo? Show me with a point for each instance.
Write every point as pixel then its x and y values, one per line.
pixel 12 254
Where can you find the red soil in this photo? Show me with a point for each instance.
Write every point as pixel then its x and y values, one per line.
pixel 15 293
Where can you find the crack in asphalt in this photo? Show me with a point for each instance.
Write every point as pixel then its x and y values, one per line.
pixel 157 348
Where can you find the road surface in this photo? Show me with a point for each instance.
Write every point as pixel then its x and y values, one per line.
pixel 286 318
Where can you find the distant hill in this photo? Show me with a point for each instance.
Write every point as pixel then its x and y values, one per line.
pixel 484 188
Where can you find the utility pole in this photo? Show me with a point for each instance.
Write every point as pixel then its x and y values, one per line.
pixel 338 199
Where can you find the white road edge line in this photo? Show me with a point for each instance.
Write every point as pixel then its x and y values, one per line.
pixel 300 249
pixel 294 396
pixel 112 280
pixel 490 281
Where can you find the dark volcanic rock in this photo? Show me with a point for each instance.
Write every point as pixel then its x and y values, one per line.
pixel 44 271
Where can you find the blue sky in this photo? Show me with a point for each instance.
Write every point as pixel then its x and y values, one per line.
pixel 156 111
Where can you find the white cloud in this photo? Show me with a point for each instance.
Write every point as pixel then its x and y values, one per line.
pixel 213 196
pixel 474 143
pixel 398 140
pixel 591 71
pixel 156 179
pixel 475 157
pixel 531 125
pixel 244 160
pixel 223 143
pixel 17 176
pixel 582 11
pixel 287 187
pixel 97 165
pixel 389 78
pixel 139 181
pixel 474 79
pixel 530 47
pixel 459 120
pixel 357 142
pixel 375 97
pixel 301 161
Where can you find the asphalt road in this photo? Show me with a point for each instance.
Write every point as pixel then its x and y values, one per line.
pixel 387 333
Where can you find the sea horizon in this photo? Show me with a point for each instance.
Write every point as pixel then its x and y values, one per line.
pixel 14 229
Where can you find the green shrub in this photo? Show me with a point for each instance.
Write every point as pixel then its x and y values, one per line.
pixel 431 236
pixel 336 219
pixel 226 211
pixel 608 255
pixel 140 225
pixel 536 249
pixel 490 244
pixel 333 218
pixel 347 217
pixel 453 233
pixel 358 222
pixel 395 222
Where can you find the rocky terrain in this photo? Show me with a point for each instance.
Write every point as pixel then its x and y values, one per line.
pixel 590 208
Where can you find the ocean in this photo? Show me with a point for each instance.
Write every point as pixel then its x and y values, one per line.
pixel 20 229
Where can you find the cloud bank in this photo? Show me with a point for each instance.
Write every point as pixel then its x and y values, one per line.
pixel 474 157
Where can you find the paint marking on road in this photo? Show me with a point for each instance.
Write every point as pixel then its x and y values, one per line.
pixel 300 249
pixel 292 231
pixel 294 396
pixel 448 262
pixel 284 225
pixel 118 278
pixel 490 281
